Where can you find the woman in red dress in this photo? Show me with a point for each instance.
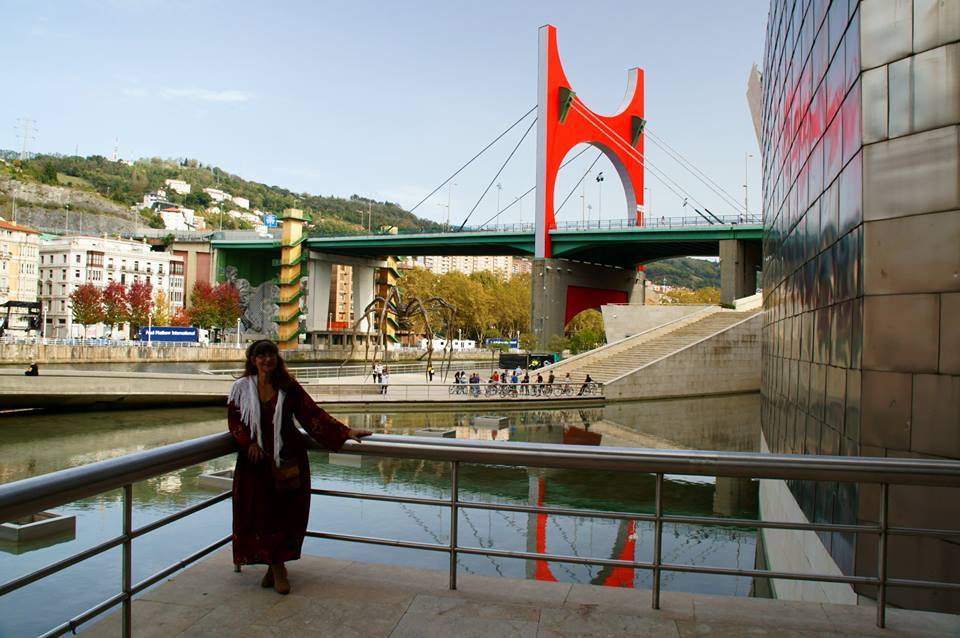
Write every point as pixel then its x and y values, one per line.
pixel 271 482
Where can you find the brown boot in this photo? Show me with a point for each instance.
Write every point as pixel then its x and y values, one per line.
pixel 267 581
pixel 280 583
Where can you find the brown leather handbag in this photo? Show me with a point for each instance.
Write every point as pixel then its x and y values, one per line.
pixel 286 476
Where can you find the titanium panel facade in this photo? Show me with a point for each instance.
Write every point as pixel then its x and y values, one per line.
pixel 861 280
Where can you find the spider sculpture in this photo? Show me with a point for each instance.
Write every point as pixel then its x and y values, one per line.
pixel 379 311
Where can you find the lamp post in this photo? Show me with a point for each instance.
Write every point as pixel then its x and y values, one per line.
pixel 238 332
pixel 599 195
pixel 449 200
pixel 496 222
pixel 746 175
pixel 149 330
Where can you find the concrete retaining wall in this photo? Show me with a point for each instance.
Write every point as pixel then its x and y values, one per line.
pixel 798 551
pixel 625 320
pixel 22 353
pixel 725 363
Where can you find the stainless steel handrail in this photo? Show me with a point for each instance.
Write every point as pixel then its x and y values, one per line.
pixel 37 493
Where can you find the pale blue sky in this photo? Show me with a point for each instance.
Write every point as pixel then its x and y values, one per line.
pixel 382 99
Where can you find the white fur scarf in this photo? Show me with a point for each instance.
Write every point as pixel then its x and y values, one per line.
pixel 245 396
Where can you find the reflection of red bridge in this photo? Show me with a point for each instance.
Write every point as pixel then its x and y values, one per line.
pixel 610 577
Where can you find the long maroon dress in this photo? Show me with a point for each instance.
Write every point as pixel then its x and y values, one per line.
pixel 269 524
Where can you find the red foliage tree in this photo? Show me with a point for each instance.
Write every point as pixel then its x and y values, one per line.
pixel 227 299
pixel 139 305
pixel 115 309
pixel 181 318
pixel 86 303
pixel 203 305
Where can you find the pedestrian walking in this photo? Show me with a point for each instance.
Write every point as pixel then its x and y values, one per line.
pixel 430 373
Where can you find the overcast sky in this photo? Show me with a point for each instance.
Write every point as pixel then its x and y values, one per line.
pixel 383 99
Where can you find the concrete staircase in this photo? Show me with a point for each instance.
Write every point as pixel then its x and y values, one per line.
pixel 617 359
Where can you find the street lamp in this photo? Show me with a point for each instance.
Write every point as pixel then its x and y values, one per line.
pixel 496 222
pixel 746 204
pixel 449 200
pixel 599 195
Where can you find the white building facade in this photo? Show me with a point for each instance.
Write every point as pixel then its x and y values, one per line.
pixel 19 250
pixel 504 265
pixel 69 262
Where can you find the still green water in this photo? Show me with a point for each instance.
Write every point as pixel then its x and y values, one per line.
pixel 31 445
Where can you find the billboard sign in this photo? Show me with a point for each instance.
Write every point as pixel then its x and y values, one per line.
pixel 182 334
pixel 501 341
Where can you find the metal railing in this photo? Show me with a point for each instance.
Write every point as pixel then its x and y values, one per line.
pixel 35 494
pixel 458 392
pixel 105 342
pixel 306 373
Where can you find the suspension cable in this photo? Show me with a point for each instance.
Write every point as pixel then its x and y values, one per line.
pixel 577 185
pixel 502 166
pixel 692 169
pixel 636 155
pixel 457 172
pixel 533 188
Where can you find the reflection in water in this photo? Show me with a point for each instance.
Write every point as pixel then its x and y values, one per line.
pixel 37 444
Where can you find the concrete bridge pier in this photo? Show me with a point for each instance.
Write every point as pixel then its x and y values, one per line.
pixel 739 262
pixel 562 288
pixel 318 299
pixel 363 292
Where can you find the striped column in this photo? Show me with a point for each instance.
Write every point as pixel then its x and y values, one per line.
pixel 291 256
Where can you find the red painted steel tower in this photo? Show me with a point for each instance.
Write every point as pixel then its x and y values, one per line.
pixel 563 121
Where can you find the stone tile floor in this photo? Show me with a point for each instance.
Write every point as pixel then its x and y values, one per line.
pixel 351 599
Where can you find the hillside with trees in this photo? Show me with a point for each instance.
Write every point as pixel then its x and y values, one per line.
pixel 126 183
pixel 684 272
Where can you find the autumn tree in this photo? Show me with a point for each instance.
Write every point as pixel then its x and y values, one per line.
pixel 139 305
pixel 161 309
pixel 226 298
pixel 181 318
pixel 86 303
pixel 705 296
pixel 203 305
pixel 114 304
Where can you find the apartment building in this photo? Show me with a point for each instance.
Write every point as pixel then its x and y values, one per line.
pixel 68 262
pixel 19 250
pixel 505 265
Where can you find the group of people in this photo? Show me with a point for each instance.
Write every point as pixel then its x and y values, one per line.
pixel 523 385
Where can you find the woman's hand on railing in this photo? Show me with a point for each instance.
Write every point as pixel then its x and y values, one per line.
pixel 356 435
pixel 255 453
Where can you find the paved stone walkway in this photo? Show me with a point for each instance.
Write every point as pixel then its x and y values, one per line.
pixel 351 599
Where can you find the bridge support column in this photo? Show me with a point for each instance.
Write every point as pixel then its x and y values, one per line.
pixel 319 296
pixel 638 294
pixel 739 262
pixel 561 288
pixel 362 293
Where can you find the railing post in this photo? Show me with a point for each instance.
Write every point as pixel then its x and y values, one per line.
pixel 657 538
pixel 127 569
pixel 454 514
pixel 882 558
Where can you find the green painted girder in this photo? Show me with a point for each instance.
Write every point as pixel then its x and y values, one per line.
pixel 472 243
pixel 617 247
pixel 296 243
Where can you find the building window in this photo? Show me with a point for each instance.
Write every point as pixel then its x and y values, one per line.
pixel 76 273
pixel 78 258
pixel 63 274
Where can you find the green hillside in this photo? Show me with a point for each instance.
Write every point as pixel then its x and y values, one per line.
pixel 685 272
pixel 126 184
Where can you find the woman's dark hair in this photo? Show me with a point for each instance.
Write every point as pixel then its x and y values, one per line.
pixel 280 378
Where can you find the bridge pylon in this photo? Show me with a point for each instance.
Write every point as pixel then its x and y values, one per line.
pixel 562 288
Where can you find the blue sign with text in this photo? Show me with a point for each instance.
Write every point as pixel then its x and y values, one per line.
pixel 270 220
pixel 169 333
pixel 500 341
